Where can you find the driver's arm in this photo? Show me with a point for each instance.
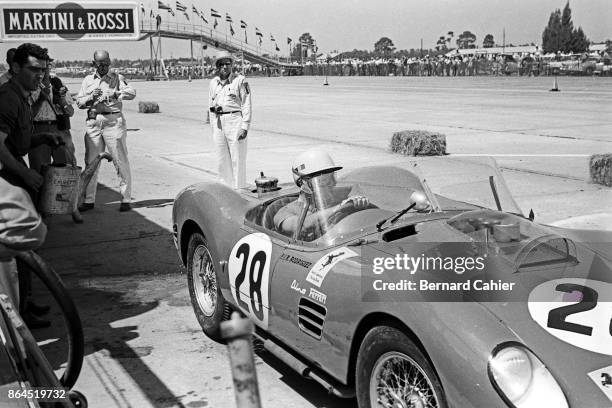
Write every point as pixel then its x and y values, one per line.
pixel 287 218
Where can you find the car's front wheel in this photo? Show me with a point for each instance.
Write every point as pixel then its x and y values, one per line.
pixel 206 297
pixel 392 372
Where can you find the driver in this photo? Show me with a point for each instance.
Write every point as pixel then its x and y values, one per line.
pixel 314 173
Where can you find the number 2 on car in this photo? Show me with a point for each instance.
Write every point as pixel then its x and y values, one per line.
pixel 249 274
pixel 576 311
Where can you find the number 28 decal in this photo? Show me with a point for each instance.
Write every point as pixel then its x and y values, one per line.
pixel 249 273
pixel 576 311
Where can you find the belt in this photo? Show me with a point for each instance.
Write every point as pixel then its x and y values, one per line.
pixel 45 122
pixel 105 113
pixel 225 113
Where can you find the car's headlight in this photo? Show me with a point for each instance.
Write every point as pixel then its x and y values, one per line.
pixel 522 380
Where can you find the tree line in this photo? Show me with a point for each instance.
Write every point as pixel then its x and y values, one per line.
pixel 558 35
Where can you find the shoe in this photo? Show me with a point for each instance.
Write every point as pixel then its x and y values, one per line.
pixel 86 207
pixel 34 322
pixel 37 310
pixel 125 207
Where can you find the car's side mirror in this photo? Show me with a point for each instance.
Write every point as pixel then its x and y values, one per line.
pixel 420 200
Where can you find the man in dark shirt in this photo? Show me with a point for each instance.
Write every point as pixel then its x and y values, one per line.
pixel 16 139
pixel 16 135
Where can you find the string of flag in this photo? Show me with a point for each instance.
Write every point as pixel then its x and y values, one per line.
pixel 179 6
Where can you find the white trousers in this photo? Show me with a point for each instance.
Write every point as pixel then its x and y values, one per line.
pixel 110 132
pixel 229 151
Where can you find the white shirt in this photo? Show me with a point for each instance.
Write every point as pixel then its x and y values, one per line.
pixel 109 83
pixel 233 94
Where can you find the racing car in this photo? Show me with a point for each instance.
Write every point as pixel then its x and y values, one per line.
pixel 321 306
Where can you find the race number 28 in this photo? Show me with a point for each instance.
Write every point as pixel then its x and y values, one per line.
pixel 576 311
pixel 249 272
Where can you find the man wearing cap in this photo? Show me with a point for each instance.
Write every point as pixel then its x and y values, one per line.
pixel 102 94
pixel 50 105
pixel 229 105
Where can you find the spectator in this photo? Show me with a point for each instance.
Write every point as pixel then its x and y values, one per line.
pixel 16 139
pixel 51 111
pixel 102 94
pixel 4 78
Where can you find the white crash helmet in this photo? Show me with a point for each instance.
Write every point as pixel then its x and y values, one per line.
pixel 310 163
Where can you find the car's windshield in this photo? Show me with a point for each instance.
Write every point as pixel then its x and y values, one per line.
pixel 380 192
pixel 463 183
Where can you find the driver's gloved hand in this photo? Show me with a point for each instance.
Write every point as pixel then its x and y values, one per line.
pixel 359 202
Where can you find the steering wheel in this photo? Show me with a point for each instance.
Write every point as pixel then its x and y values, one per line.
pixel 76 347
pixel 346 209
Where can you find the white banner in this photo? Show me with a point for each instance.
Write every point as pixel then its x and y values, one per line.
pixel 75 20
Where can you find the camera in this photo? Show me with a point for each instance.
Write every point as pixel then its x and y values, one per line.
pixel 216 109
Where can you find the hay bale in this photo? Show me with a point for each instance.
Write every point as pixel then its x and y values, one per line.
pixel 418 143
pixel 148 107
pixel 600 168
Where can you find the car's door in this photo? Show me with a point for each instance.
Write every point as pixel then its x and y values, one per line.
pixel 251 262
pixel 309 285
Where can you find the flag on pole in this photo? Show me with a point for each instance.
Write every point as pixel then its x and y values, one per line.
pixel 450 33
pixel 162 5
pixel 186 15
pixel 180 6
pixel 272 38
pixel 203 18
pixel 151 14
pixel 276 46
pixel 215 24
pixel 243 24
pixel 258 33
pixel 260 41
pixel 214 13
pixel 232 30
pixel 195 10
pixel 289 40
pixel 228 18
pixel 142 7
pixel 171 12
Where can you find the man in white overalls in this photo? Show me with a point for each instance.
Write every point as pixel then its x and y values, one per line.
pixel 229 106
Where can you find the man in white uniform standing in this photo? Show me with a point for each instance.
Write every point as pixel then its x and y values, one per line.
pixel 230 117
pixel 102 94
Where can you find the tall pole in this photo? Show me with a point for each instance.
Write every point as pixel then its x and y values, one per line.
pixel 421 48
pixel 504 41
pixel 151 66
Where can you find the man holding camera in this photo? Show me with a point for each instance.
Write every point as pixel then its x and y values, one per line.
pixel 51 111
pixel 230 118
pixel 102 94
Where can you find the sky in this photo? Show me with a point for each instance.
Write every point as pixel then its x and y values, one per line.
pixel 348 24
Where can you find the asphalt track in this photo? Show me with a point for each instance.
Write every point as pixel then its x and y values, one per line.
pixel 144 346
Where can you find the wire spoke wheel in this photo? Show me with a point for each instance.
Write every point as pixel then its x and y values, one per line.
pixel 205 280
pixel 397 381
pixel 204 291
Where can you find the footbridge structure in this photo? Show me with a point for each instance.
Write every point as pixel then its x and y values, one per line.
pixel 200 33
